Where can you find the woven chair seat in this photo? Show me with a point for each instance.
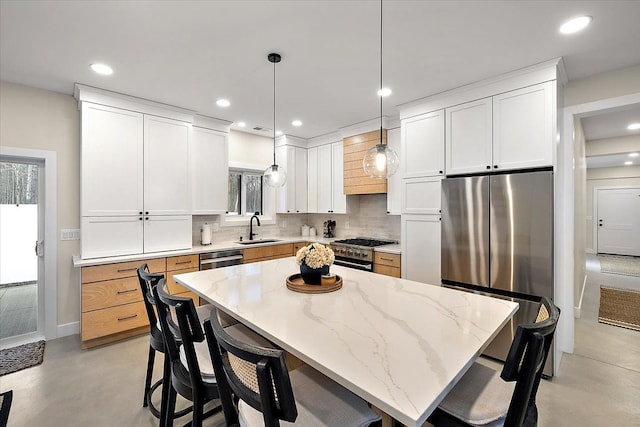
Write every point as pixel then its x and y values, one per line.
pixel 238 331
pixel 321 402
pixel 480 398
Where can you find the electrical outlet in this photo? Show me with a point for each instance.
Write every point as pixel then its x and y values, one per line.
pixel 70 234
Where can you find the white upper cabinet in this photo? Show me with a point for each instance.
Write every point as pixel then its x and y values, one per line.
pixel 292 197
pixel 312 180
pixel 209 152
pixel 523 124
pixel 422 147
pixel 469 137
pixel 325 179
pixel 300 179
pixel 326 183
pixel 166 166
pixel 513 130
pixel 338 198
pixel 112 158
pixel 394 183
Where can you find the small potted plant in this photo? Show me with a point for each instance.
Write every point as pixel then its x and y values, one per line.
pixel 314 261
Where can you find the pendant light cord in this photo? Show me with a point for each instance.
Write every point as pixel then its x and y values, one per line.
pixel 380 72
pixel 274 113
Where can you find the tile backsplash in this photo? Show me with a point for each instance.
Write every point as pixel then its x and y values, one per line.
pixel 369 219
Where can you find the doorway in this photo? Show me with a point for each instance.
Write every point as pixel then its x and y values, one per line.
pixel 28 257
pixel 20 232
pixel 618 221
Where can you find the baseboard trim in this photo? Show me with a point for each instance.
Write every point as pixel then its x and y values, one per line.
pixel 577 310
pixel 67 329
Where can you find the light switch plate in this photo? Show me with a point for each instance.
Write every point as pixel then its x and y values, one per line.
pixel 70 234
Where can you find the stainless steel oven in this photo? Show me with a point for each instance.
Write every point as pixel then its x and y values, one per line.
pixel 356 253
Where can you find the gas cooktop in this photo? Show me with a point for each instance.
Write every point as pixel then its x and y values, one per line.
pixel 365 241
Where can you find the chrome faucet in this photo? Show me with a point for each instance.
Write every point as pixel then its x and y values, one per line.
pixel 251 233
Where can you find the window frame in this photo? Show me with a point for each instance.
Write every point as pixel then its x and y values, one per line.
pixel 268 214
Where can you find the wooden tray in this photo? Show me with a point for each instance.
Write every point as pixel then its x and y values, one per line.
pixel 295 283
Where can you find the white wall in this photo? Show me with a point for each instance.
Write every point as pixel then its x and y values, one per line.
pixel 250 149
pixel 38 119
pixel 579 197
pixel 624 176
pixel 603 86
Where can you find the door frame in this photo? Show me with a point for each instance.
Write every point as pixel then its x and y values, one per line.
pixel 47 279
pixel 564 213
pixel 595 209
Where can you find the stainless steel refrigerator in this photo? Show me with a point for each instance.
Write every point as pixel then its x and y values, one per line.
pixel 497 238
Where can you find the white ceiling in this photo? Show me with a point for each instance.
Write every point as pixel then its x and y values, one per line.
pixel 611 160
pixel 189 53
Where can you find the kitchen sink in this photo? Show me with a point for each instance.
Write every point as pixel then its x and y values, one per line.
pixel 255 242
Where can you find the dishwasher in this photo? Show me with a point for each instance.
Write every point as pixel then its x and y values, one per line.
pixel 211 260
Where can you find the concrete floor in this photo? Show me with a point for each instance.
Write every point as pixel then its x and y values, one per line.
pixel 598 385
pixel 18 309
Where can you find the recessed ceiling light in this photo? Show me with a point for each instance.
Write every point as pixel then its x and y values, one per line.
pixel 241 124
pixel 576 24
pixel 296 123
pixel 627 163
pixel 278 132
pixel 633 154
pixel 385 91
pixel 634 126
pixel 222 102
pixel 103 69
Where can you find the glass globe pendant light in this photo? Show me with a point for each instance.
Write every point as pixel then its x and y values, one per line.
pixel 274 176
pixel 380 161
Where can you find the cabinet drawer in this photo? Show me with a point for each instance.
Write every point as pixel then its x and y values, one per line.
pixel 110 293
pixel 175 287
pixel 98 273
pixel 392 260
pixel 297 246
pixel 271 252
pixel 386 270
pixel 182 262
pixel 107 321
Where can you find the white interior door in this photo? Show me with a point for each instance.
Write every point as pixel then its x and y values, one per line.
pixel 618 221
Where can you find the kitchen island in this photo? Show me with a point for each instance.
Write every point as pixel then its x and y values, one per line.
pixel 398 344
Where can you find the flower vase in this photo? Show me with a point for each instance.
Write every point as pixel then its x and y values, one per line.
pixel 313 276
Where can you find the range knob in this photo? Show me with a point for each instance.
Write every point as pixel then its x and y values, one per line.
pixel 365 255
pixel 349 252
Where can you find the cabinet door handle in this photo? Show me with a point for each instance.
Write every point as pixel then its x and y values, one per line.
pixel 441 172
pixel 126 291
pixel 146 218
pixel 495 166
pixel 123 270
pixel 127 317
pixel 386 259
pixel 146 213
pixel 488 167
pixel 183 262
pixel 140 213
pixel 140 218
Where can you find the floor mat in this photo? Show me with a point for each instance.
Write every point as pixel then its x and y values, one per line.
pixel 619 307
pixel 23 356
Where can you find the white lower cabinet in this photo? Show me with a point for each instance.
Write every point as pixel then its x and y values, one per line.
pixel 420 237
pixel 129 235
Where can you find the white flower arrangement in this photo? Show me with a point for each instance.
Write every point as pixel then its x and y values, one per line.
pixel 315 255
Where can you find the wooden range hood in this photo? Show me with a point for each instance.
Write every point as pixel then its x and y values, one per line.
pixel 355 179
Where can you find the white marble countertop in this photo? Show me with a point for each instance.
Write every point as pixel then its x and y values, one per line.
pixel 217 246
pixel 400 345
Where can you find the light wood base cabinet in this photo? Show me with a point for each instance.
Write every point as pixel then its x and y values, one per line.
pixel 265 253
pixel 387 264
